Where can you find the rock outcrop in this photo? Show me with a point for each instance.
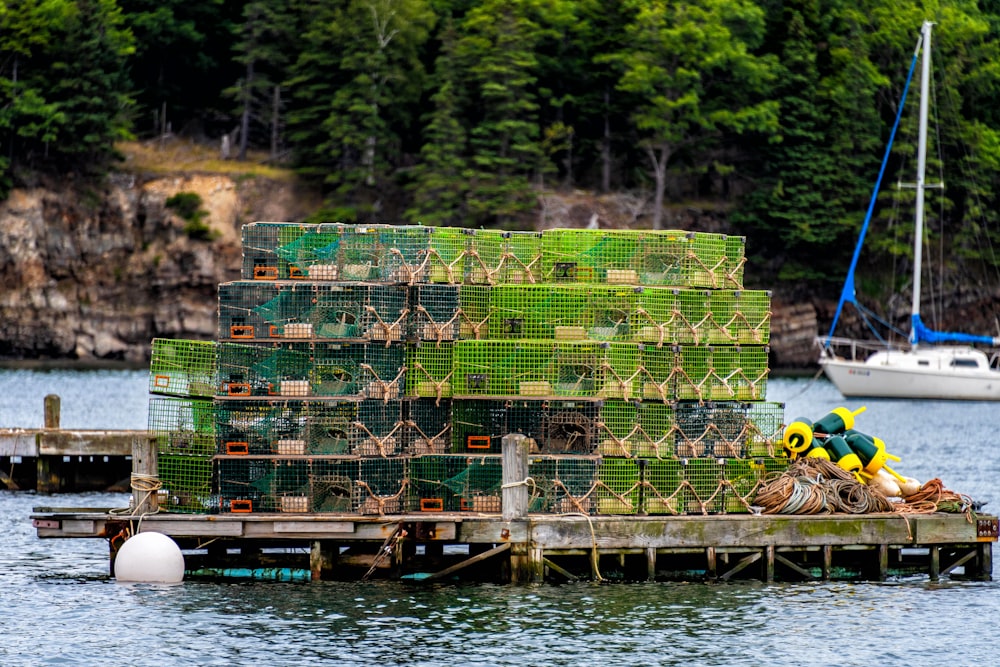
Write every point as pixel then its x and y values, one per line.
pixel 91 275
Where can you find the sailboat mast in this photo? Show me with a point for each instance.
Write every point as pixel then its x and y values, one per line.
pixel 918 231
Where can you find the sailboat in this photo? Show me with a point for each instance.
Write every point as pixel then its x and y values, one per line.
pixel 935 365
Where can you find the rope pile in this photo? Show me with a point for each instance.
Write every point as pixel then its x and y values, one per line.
pixel 817 486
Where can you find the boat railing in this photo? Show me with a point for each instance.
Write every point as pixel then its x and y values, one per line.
pixel 850 348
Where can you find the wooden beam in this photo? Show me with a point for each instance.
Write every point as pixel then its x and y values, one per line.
pixel 827 561
pixel 743 563
pixel 713 568
pixel 935 565
pixel 650 563
pixel 883 562
pixel 560 570
pixel 769 570
pixel 469 561
pixel 960 562
pixel 795 566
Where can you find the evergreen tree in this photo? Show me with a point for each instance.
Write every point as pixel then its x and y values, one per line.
pixel 441 177
pixel 691 69
pixel 497 53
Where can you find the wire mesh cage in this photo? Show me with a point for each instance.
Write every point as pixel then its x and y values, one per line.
pixel 182 425
pixel 568 427
pixel 661 487
pixel 436 313
pixel 656 436
pixel 533 311
pixel 333 485
pixel 428 424
pixel 563 485
pixel 250 310
pixel 474 312
pixel 292 485
pixel 449 483
pixel 478 425
pixel 681 259
pixel 380 429
pixel 383 371
pixel 293 369
pixel 183 368
pixel 766 426
pixel 740 316
pixel 742 479
pixel 618 428
pixel 617 486
pixel 497 257
pixel 667 316
pixel 381 486
pixel 404 258
pixel 589 256
pixel 261 241
pixel 186 483
pixel 656 374
pixel 521 259
pixel 446 255
pixel 721 372
pixel 429 369
pixel 290 427
pixel 711 429
pixel 702 489
pixel 735 262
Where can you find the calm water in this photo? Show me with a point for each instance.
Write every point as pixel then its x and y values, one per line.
pixel 62 608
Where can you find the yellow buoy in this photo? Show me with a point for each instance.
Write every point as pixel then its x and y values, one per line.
pixel 798 436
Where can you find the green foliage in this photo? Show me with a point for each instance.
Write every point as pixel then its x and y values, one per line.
pixel 187 205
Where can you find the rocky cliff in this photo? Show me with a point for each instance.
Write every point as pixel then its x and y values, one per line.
pixel 96 275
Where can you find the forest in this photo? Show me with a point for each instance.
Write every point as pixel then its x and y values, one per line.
pixel 459 112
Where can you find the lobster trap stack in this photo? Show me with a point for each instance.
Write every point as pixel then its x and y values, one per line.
pixel 376 369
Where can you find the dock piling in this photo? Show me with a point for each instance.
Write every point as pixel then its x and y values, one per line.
pixel 52 411
pixel 145 480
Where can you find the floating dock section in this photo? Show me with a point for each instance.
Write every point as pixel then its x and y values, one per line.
pixel 541 400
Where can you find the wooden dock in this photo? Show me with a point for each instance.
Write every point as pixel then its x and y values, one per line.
pixel 515 546
pixel 58 460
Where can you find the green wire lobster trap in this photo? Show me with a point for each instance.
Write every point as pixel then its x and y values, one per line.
pixel 682 259
pixel 429 369
pixel 182 426
pixel 740 316
pixel 436 313
pixel 429 425
pixel 495 257
pixel 665 316
pixel 185 368
pixel 380 429
pixel 261 241
pixel 185 483
pixel 563 485
pixel 617 486
pixel 449 483
pixel 293 369
pixel 289 427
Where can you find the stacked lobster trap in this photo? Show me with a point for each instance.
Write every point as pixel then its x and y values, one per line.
pixel 375 370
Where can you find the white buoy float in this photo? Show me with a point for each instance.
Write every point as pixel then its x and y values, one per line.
pixel 150 558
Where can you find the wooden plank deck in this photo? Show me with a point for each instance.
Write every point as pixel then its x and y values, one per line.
pixel 721 546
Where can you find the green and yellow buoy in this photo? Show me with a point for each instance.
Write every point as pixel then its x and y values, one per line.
pixel 842 454
pixel 871 451
pixel 838 421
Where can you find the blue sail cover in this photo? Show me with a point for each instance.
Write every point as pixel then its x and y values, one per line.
pixel 920 333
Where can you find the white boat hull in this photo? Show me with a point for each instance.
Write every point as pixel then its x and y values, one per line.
pixel 932 373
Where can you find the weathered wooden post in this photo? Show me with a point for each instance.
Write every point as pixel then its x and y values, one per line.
pixel 525 563
pixel 52 410
pixel 48 477
pixel 145 476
